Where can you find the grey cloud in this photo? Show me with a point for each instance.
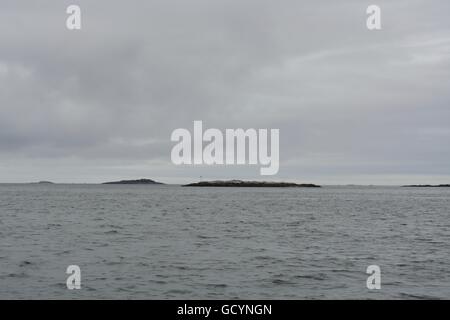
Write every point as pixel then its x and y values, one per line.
pixel 348 102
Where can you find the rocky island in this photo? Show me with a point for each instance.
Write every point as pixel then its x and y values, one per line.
pixel 240 183
pixel 139 181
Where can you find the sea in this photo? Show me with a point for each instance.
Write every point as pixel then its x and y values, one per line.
pixel 174 242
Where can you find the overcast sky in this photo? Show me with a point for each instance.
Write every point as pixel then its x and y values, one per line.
pixel 99 104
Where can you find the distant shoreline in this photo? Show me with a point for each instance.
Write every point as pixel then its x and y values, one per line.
pixel 427 186
pixel 225 183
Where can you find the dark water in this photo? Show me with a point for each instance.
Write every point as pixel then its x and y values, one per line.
pixel 172 242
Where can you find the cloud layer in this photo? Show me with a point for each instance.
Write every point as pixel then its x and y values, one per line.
pixel 352 105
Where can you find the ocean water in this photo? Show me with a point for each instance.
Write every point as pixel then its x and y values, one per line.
pixel 172 242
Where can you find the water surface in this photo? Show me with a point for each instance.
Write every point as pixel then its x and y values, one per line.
pixel 170 242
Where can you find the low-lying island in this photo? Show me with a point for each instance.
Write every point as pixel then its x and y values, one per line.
pixel 139 181
pixel 240 183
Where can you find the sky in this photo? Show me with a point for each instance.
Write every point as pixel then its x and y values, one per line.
pixel 353 106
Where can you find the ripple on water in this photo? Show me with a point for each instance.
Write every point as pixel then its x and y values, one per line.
pixel 246 243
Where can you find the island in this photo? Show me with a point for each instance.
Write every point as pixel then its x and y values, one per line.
pixel 428 186
pixel 240 183
pixel 139 181
pixel 41 182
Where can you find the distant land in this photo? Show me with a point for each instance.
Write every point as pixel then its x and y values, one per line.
pixel 428 186
pixel 139 181
pixel 240 183
pixel 42 182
